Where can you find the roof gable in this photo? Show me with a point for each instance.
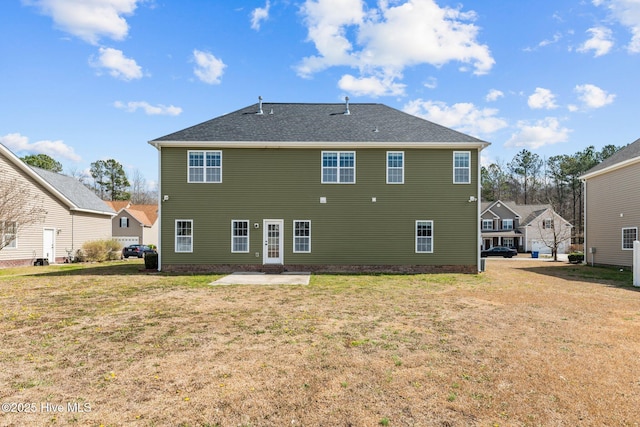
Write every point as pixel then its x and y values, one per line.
pixel 68 190
pixel 308 123
pixel 627 155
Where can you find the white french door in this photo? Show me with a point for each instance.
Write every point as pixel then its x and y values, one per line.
pixel 273 234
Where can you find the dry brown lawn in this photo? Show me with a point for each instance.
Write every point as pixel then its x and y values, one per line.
pixel 528 343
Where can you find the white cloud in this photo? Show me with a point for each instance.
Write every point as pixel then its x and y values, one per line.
pixel 627 12
pixel 209 69
pixel 542 99
pixel 592 96
pixel 372 86
pixel 259 14
pixel 119 66
pixel 89 20
pixel 464 117
pixel 543 132
pixel 54 149
pixel 493 95
pixel 431 83
pixel 385 40
pixel 151 110
pixel 600 43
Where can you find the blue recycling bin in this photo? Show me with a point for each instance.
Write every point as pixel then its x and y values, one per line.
pixel 534 254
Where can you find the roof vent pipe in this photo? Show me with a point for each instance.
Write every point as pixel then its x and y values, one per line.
pixel 260 106
pixel 347 112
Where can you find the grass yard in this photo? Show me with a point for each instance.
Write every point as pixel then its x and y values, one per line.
pixel 528 343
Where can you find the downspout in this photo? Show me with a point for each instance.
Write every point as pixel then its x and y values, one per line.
pixel 479 203
pixel 159 209
pixel 584 228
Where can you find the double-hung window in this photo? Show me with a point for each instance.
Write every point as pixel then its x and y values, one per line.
pixel 8 238
pixel 338 167
pixel 424 236
pixel 184 235
pixel 395 167
pixel 629 235
pixel 487 224
pixel 461 167
pixel 302 236
pixel 205 166
pixel 124 222
pixel 240 236
pixel 547 224
pixel 507 224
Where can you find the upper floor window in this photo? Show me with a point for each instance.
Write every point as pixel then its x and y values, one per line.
pixel 461 167
pixel 302 236
pixel 338 167
pixel 124 222
pixel 8 238
pixel 547 224
pixel 629 235
pixel 424 236
pixel 240 236
pixel 395 167
pixel 507 224
pixel 205 166
pixel 184 235
pixel 487 224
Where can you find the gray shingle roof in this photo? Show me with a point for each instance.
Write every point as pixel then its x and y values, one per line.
pixel 319 123
pixel 74 190
pixel 629 152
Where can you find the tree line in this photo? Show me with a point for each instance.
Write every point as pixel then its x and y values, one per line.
pixel 108 179
pixel 529 179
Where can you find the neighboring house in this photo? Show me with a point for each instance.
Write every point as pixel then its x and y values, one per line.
pixel 526 228
pixel 134 224
pixel 319 187
pixel 612 208
pixel 74 214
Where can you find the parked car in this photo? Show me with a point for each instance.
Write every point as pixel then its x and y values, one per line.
pixel 499 251
pixel 138 251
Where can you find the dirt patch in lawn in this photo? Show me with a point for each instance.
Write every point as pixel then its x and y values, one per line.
pixel 528 343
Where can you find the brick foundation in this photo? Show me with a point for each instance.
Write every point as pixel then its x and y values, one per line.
pixel 340 269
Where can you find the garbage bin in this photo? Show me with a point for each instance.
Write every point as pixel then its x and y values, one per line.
pixel 534 254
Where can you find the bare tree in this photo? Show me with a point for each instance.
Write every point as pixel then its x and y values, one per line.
pixel 553 231
pixel 140 194
pixel 19 208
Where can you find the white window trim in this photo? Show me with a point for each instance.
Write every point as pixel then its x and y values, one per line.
pixel 547 224
pixel 175 229
pixel 233 222
pixel 487 221
pixel 456 168
pixel 204 167
pixel 14 243
pixel 322 167
pixel 622 236
pixel 415 232
pixel 509 221
pixel 395 168
pixel 126 222
pixel 306 237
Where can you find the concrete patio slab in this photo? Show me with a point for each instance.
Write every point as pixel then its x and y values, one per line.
pixel 287 278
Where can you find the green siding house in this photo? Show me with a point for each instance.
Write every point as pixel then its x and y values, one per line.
pixel 319 187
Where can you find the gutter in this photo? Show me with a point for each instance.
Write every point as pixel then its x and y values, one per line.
pixel 320 144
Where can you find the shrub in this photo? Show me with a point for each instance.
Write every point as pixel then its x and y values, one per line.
pixel 101 250
pixel 576 257
pixel 151 261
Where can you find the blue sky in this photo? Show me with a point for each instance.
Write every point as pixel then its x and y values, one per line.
pixel 85 80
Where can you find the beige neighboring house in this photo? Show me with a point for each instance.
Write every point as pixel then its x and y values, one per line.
pixel 134 224
pixel 74 214
pixel 612 208
pixel 526 228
